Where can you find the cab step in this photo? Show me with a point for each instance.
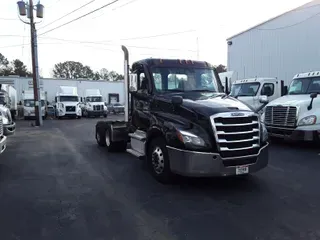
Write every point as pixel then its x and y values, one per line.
pixel 135 153
pixel 139 135
pixel 137 142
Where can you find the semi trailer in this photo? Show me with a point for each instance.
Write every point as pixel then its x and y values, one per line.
pixel 180 122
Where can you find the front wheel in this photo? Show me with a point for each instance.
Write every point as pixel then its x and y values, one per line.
pixel 158 161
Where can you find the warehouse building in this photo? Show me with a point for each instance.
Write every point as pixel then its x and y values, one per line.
pixel 111 91
pixel 280 47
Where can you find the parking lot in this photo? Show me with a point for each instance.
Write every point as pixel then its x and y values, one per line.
pixel 56 183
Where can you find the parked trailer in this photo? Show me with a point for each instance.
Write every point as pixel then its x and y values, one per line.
pixel 191 129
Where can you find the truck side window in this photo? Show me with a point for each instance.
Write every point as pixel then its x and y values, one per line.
pixel 267 89
pixel 157 81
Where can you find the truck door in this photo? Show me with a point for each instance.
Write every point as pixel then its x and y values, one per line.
pixel 141 100
pixel 268 89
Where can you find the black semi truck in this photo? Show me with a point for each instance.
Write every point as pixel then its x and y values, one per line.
pixel 181 122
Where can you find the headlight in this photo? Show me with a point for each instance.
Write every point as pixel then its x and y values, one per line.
pixel 264 133
pixel 190 138
pixel 310 120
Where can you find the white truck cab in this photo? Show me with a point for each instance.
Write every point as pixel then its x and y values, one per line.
pixel 297 115
pixel 250 90
pixel 28 104
pixel 68 102
pixel 93 104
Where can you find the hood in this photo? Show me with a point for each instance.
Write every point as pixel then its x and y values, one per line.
pixel 70 103
pixel 208 104
pixel 96 103
pixel 292 100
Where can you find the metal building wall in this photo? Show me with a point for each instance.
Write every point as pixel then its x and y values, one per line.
pixel 280 48
pixel 51 86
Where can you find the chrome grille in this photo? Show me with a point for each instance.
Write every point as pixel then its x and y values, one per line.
pixel 70 108
pixel 1 126
pixel 237 133
pixel 281 116
pixel 97 107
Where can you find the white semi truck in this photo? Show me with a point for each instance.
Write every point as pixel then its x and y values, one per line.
pixel 3 138
pixel 296 115
pixel 28 104
pixel 68 102
pixel 93 104
pixel 250 90
pixel 8 97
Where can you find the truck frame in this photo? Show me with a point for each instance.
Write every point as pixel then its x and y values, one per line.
pixel 200 132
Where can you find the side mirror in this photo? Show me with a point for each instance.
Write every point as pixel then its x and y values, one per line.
pixel 176 100
pixel 313 95
pixel 4 103
pixel 263 99
pixel 133 82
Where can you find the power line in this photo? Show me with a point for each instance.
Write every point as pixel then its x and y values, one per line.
pixel 68 14
pixel 153 36
pixel 106 5
pixel 8 19
pixel 108 44
pixel 125 4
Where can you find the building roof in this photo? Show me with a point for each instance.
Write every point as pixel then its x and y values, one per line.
pixel 307 5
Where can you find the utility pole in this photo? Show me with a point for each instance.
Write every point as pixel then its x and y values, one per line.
pixel 27 9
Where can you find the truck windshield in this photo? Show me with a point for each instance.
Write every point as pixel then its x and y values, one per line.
pixel 184 79
pixel 94 99
pixel 68 99
pixel 30 103
pixel 244 89
pixel 304 86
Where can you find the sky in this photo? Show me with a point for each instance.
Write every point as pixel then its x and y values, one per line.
pixel 182 29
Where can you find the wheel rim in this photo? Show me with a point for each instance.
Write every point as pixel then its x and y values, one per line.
pixel 158 160
pixel 107 138
pixel 98 137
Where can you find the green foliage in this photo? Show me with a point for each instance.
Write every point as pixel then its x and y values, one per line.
pixel 16 67
pixel 75 70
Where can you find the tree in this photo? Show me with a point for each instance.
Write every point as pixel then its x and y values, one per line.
pixel 221 68
pixel 72 70
pixel 96 76
pixel 104 74
pixel 18 68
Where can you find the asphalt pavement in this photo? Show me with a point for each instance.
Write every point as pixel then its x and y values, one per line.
pixel 56 183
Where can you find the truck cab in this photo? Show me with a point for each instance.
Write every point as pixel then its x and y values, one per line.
pixel 93 104
pixel 68 102
pixel 250 90
pixel 181 123
pixel 296 116
pixel 29 104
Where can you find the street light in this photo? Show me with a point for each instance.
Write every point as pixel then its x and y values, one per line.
pixel 26 9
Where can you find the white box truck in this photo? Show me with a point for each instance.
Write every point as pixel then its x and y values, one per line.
pixel 93 104
pixel 8 95
pixel 28 104
pixel 68 102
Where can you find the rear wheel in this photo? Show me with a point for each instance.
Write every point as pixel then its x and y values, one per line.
pixel 158 161
pixel 103 136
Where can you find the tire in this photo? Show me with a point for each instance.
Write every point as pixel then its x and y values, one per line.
pixel 103 138
pixel 78 117
pixel 157 151
pixel 105 115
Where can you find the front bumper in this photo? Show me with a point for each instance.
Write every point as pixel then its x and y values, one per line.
pixel 306 133
pixel 9 129
pixel 200 164
pixel 96 113
pixel 3 143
